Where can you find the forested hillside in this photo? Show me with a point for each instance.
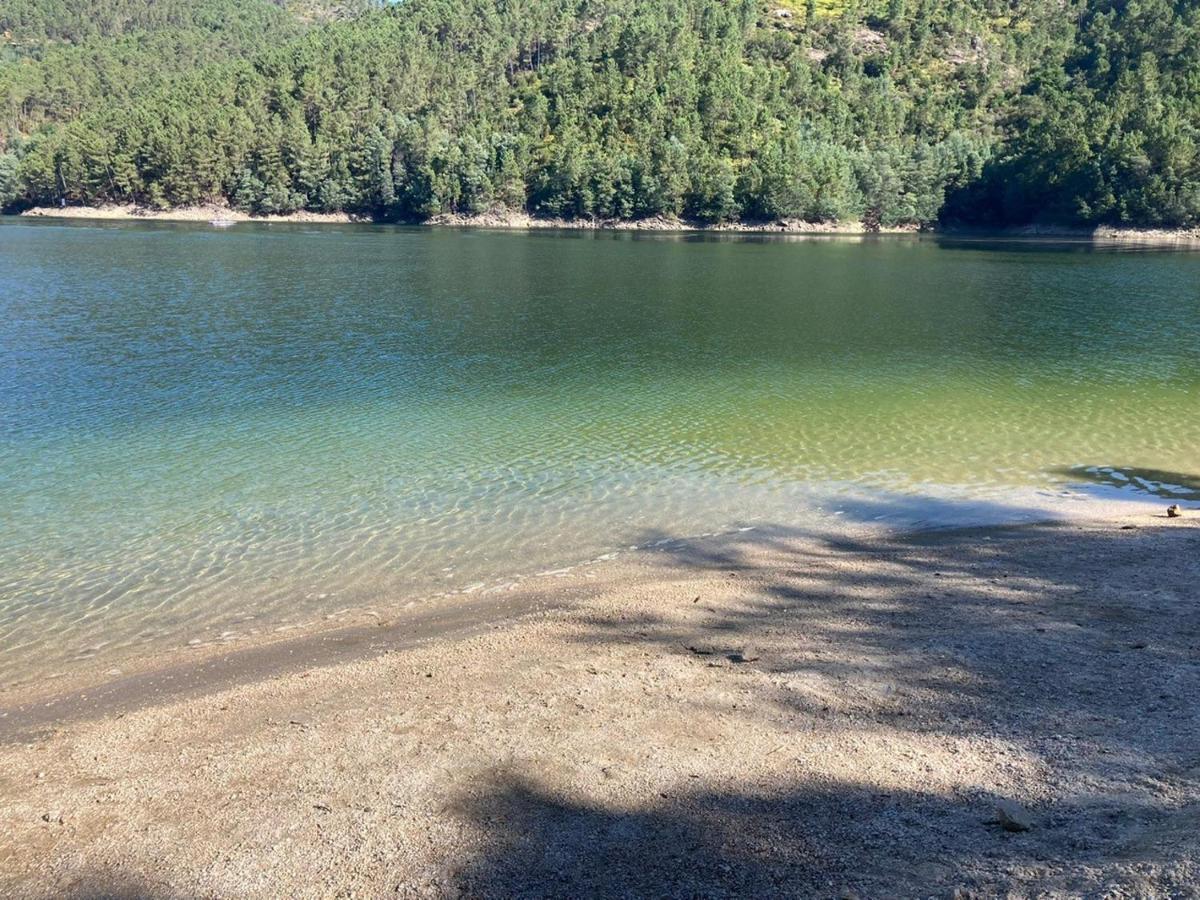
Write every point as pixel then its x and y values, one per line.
pixel 890 111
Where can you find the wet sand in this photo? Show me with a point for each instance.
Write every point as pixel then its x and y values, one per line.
pixel 765 713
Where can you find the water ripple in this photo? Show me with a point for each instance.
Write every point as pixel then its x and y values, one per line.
pixel 204 435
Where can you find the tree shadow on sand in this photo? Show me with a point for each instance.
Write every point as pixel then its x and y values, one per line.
pixel 1083 651
pixel 115 884
pixel 846 840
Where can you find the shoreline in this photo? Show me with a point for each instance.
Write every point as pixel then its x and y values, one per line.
pixel 753 713
pixel 194 665
pixel 183 670
pixel 519 221
pixel 502 220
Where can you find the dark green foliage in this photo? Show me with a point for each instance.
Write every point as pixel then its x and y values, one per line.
pixel 1109 136
pixel 710 109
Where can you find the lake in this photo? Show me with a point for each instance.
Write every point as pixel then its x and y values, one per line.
pixel 205 433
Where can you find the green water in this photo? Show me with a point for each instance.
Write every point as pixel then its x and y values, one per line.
pixel 201 426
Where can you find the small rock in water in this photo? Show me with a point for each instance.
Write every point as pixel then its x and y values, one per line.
pixel 1012 816
pixel 1174 511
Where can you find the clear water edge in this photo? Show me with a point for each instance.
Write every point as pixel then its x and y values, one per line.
pixel 284 423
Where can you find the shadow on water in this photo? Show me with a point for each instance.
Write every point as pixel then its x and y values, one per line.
pixel 1034 244
pixel 1109 481
pixel 1082 653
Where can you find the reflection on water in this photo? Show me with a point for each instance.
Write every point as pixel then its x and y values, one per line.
pixel 207 432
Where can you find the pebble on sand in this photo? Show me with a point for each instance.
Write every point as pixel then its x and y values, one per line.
pixel 1013 817
pixel 1174 511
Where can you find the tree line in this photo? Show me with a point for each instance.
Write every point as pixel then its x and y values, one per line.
pixel 888 111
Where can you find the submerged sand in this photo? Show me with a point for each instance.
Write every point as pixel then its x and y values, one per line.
pixel 760 714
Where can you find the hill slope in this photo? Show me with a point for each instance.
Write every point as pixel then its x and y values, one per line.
pixel 886 110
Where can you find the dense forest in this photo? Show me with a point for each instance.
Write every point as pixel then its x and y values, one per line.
pixel 886 111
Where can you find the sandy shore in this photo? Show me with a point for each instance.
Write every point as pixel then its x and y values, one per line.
pixel 206 213
pixel 518 220
pixel 502 219
pixel 766 714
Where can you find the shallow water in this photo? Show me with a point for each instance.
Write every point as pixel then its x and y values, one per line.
pixel 200 426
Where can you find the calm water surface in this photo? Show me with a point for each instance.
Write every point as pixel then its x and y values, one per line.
pixel 200 426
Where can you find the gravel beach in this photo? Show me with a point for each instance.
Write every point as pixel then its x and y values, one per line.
pixel 967 713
